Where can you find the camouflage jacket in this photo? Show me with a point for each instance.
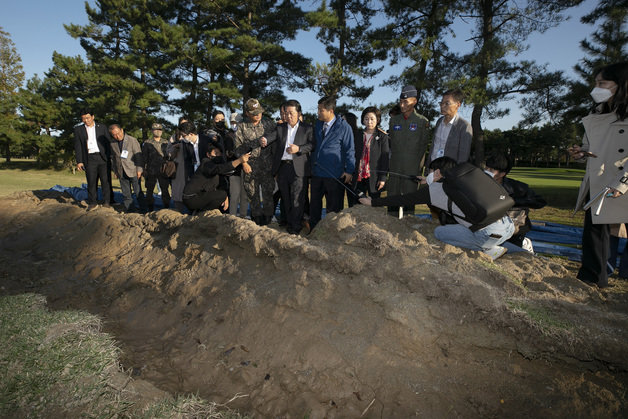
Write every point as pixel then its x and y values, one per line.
pixel 248 135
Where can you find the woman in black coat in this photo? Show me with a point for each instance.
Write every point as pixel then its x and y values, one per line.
pixel 372 155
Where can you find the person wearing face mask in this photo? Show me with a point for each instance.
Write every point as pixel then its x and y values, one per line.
pixel 186 154
pixel 605 148
pixel 462 233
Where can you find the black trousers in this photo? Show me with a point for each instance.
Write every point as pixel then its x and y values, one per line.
pixel 614 252
pixel 292 192
pixel 164 183
pixel 205 201
pixel 595 250
pixel 332 190
pixel 97 168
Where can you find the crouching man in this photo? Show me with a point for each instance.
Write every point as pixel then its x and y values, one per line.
pixel 208 189
pixel 487 239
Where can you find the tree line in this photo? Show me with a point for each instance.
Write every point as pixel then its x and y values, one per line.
pixel 150 58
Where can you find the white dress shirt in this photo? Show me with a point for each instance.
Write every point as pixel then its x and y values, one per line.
pixel 292 132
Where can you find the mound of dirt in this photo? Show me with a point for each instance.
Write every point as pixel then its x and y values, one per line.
pixel 369 316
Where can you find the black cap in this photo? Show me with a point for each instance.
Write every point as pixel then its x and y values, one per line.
pixel 408 91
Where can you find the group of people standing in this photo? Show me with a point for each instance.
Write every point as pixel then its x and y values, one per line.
pixel 258 160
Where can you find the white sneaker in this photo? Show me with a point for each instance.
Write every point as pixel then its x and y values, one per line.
pixel 527 245
pixel 495 252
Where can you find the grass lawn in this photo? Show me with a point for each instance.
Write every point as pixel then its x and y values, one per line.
pixel 23 175
pixel 59 364
pixel 559 187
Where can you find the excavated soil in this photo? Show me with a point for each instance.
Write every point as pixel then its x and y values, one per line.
pixel 368 316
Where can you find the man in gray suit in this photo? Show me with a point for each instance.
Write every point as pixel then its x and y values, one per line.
pixel 452 134
pixel 128 165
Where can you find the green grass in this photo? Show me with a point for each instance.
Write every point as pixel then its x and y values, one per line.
pixel 541 317
pixel 22 175
pixel 559 187
pixel 59 364
pixel 52 361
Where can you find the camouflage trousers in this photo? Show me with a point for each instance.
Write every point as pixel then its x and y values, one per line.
pixel 260 178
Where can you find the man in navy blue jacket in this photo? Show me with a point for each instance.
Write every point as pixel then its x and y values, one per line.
pixel 333 160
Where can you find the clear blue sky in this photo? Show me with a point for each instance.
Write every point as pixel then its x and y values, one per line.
pixel 36 28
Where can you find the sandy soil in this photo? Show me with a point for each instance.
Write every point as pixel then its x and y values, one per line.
pixel 369 316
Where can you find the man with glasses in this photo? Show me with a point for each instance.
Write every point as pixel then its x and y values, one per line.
pixel 452 134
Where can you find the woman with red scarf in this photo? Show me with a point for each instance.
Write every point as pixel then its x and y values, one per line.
pixel 372 155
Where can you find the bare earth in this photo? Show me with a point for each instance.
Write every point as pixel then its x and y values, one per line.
pixel 369 316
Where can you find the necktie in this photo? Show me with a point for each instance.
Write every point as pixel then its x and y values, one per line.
pixel 325 127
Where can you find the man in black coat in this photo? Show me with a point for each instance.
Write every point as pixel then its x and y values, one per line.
pixel 291 162
pixel 207 188
pixel 92 146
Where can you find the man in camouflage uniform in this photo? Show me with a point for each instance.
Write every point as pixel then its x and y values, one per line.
pixel 409 137
pixel 258 171
pixel 154 150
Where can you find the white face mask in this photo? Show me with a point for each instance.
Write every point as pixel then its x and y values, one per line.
pixel 488 172
pixel 430 178
pixel 600 94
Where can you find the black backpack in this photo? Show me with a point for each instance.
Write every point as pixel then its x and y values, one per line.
pixel 482 200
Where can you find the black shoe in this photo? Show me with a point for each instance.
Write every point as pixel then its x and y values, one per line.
pixel 258 219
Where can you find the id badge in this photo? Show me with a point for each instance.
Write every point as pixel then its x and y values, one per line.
pixel 124 154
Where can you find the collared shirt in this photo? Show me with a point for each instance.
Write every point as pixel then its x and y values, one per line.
pixel 198 160
pixel 92 143
pixel 327 125
pixel 440 137
pixel 292 132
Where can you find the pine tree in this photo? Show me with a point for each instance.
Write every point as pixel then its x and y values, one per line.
pixel 11 79
pixel 501 29
pixel 121 43
pixel 257 61
pixel 419 31
pixel 344 28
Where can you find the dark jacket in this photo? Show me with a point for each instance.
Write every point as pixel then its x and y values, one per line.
pixel 304 138
pixel 153 153
pixel 80 143
pixel 379 158
pixel 208 177
pixel 185 160
pixel 525 198
pixel 334 154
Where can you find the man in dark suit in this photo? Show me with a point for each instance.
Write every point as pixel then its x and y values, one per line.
pixel 93 151
pixel 452 134
pixel 291 162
